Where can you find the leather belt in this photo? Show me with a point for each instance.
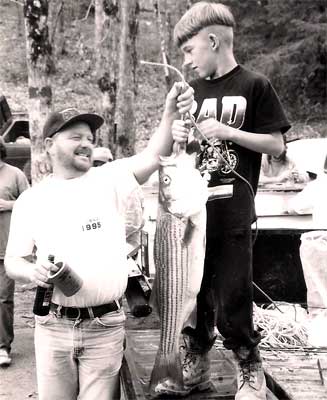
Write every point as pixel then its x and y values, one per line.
pixel 85 312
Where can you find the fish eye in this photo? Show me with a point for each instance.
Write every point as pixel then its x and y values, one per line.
pixel 166 179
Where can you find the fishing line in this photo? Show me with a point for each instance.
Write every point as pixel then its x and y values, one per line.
pixel 211 144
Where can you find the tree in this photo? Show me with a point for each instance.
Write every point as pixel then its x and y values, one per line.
pixel 165 39
pixel 107 33
pixel 57 27
pixel 127 87
pixel 20 29
pixel 115 41
pixel 39 66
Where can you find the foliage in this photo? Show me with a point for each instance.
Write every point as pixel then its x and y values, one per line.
pixel 284 39
pixel 288 43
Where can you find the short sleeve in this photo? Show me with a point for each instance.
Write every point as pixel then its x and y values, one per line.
pixel 22 182
pixel 20 241
pixel 269 113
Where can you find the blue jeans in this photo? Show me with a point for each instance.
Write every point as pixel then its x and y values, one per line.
pixel 79 358
pixel 7 288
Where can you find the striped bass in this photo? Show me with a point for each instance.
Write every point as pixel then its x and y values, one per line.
pixel 179 249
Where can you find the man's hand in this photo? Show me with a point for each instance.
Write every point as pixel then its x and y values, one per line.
pixel 40 273
pixel 6 205
pixel 180 98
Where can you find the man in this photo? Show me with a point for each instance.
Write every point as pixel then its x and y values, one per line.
pixel 77 215
pixel 240 115
pixel 12 183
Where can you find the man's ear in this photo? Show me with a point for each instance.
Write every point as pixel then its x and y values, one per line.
pixel 48 142
pixel 214 41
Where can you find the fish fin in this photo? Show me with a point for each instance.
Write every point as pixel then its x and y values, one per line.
pixel 188 233
pixel 167 367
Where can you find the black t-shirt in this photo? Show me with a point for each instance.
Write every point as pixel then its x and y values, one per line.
pixel 243 100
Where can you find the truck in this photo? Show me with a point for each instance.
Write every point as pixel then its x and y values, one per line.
pixel 14 129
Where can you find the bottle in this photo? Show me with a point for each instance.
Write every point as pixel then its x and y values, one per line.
pixel 43 297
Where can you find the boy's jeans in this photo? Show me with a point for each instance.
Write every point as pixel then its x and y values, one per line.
pixel 79 358
pixel 7 288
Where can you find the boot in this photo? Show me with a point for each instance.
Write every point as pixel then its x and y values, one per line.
pixel 251 381
pixel 196 367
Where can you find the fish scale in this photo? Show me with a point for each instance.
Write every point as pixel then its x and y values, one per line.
pixel 170 250
pixel 179 248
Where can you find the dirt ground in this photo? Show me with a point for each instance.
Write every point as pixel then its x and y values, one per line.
pixel 18 382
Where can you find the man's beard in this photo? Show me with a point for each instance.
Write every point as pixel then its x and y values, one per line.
pixel 74 163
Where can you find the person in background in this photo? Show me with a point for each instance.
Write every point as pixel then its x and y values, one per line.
pixel 281 169
pixel 241 117
pixel 313 199
pixel 313 253
pixel 77 214
pixel 101 155
pixel 12 183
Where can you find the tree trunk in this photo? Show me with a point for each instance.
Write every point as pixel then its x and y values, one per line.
pixel 56 27
pixel 127 87
pixel 61 42
pixel 163 34
pixel 107 34
pixel 39 66
pixel 20 28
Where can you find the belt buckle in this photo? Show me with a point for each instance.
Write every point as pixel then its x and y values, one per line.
pixel 75 309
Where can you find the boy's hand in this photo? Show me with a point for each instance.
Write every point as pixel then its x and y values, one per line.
pixel 180 130
pixel 213 129
pixel 179 98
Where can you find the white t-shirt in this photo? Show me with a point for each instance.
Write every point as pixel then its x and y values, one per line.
pixel 81 222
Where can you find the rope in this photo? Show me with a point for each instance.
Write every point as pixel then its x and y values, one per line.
pixel 280 332
pixel 283 331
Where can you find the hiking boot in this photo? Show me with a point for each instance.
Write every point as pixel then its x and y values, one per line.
pixel 196 375
pixel 196 368
pixel 251 381
pixel 5 360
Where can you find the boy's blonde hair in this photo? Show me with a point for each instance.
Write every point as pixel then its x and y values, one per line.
pixel 199 16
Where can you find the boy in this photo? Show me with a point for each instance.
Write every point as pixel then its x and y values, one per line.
pixel 239 113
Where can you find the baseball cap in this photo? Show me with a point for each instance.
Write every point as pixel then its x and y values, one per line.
pixel 102 154
pixel 59 120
